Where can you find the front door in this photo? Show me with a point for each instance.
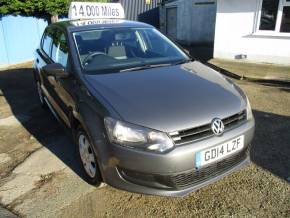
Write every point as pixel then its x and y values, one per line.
pixel 62 86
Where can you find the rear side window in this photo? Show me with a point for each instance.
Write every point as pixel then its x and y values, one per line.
pixel 59 53
pixel 46 42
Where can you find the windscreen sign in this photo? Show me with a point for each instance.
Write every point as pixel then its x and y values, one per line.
pixel 87 10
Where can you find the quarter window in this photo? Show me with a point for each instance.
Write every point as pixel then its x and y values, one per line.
pixel 274 16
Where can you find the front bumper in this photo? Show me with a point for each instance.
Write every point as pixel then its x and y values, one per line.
pixel 173 173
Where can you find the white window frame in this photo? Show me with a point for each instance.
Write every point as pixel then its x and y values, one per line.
pixel 276 32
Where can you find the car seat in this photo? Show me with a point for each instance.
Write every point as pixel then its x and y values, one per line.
pixel 117 48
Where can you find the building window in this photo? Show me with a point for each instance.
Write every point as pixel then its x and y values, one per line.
pixel 274 16
pixel 285 23
pixel 269 14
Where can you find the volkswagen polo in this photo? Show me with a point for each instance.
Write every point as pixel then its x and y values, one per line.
pixel 145 117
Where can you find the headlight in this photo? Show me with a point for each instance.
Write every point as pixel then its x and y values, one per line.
pixel 136 136
pixel 249 110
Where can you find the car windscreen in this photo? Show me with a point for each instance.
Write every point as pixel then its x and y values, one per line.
pixel 117 49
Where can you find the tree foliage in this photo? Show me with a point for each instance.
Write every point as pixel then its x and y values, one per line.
pixel 38 8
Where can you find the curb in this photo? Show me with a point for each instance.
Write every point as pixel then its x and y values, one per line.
pixel 4 67
pixel 249 79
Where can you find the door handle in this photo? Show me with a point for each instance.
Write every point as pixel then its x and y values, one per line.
pixel 37 60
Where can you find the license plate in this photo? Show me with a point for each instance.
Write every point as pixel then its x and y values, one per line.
pixel 213 154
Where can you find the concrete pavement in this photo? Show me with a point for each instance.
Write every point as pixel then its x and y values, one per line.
pixel 254 71
pixel 6 213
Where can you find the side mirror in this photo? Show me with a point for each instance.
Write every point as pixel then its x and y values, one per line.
pixel 55 70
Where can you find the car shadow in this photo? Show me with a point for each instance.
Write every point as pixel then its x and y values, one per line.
pixel 18 88
pixel 201 52
pixel 271 145
pixel 270 148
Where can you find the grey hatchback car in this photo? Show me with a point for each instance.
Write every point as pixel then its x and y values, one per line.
pixel 145 117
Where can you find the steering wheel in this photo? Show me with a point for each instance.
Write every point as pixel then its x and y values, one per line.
pixel 92 55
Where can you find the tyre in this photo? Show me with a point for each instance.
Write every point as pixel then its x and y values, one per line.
pixel 87 158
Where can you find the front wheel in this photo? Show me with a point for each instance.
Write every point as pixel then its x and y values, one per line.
pixel 88 159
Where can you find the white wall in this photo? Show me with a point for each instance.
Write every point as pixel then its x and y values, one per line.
pixel 235 34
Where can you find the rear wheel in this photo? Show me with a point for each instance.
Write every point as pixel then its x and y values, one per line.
pixel 88 159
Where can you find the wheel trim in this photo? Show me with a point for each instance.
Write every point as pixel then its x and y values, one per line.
pixel 87 156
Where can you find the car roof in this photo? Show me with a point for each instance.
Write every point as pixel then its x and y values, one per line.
pixel 83 25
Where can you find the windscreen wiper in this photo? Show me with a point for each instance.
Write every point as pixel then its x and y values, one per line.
pixel 182 62
pixel 146 66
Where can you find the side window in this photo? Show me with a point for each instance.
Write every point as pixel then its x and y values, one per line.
pixel 46 42
pixel 59 53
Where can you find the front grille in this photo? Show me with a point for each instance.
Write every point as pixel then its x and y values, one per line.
pixel 197 133
pixel 196 177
